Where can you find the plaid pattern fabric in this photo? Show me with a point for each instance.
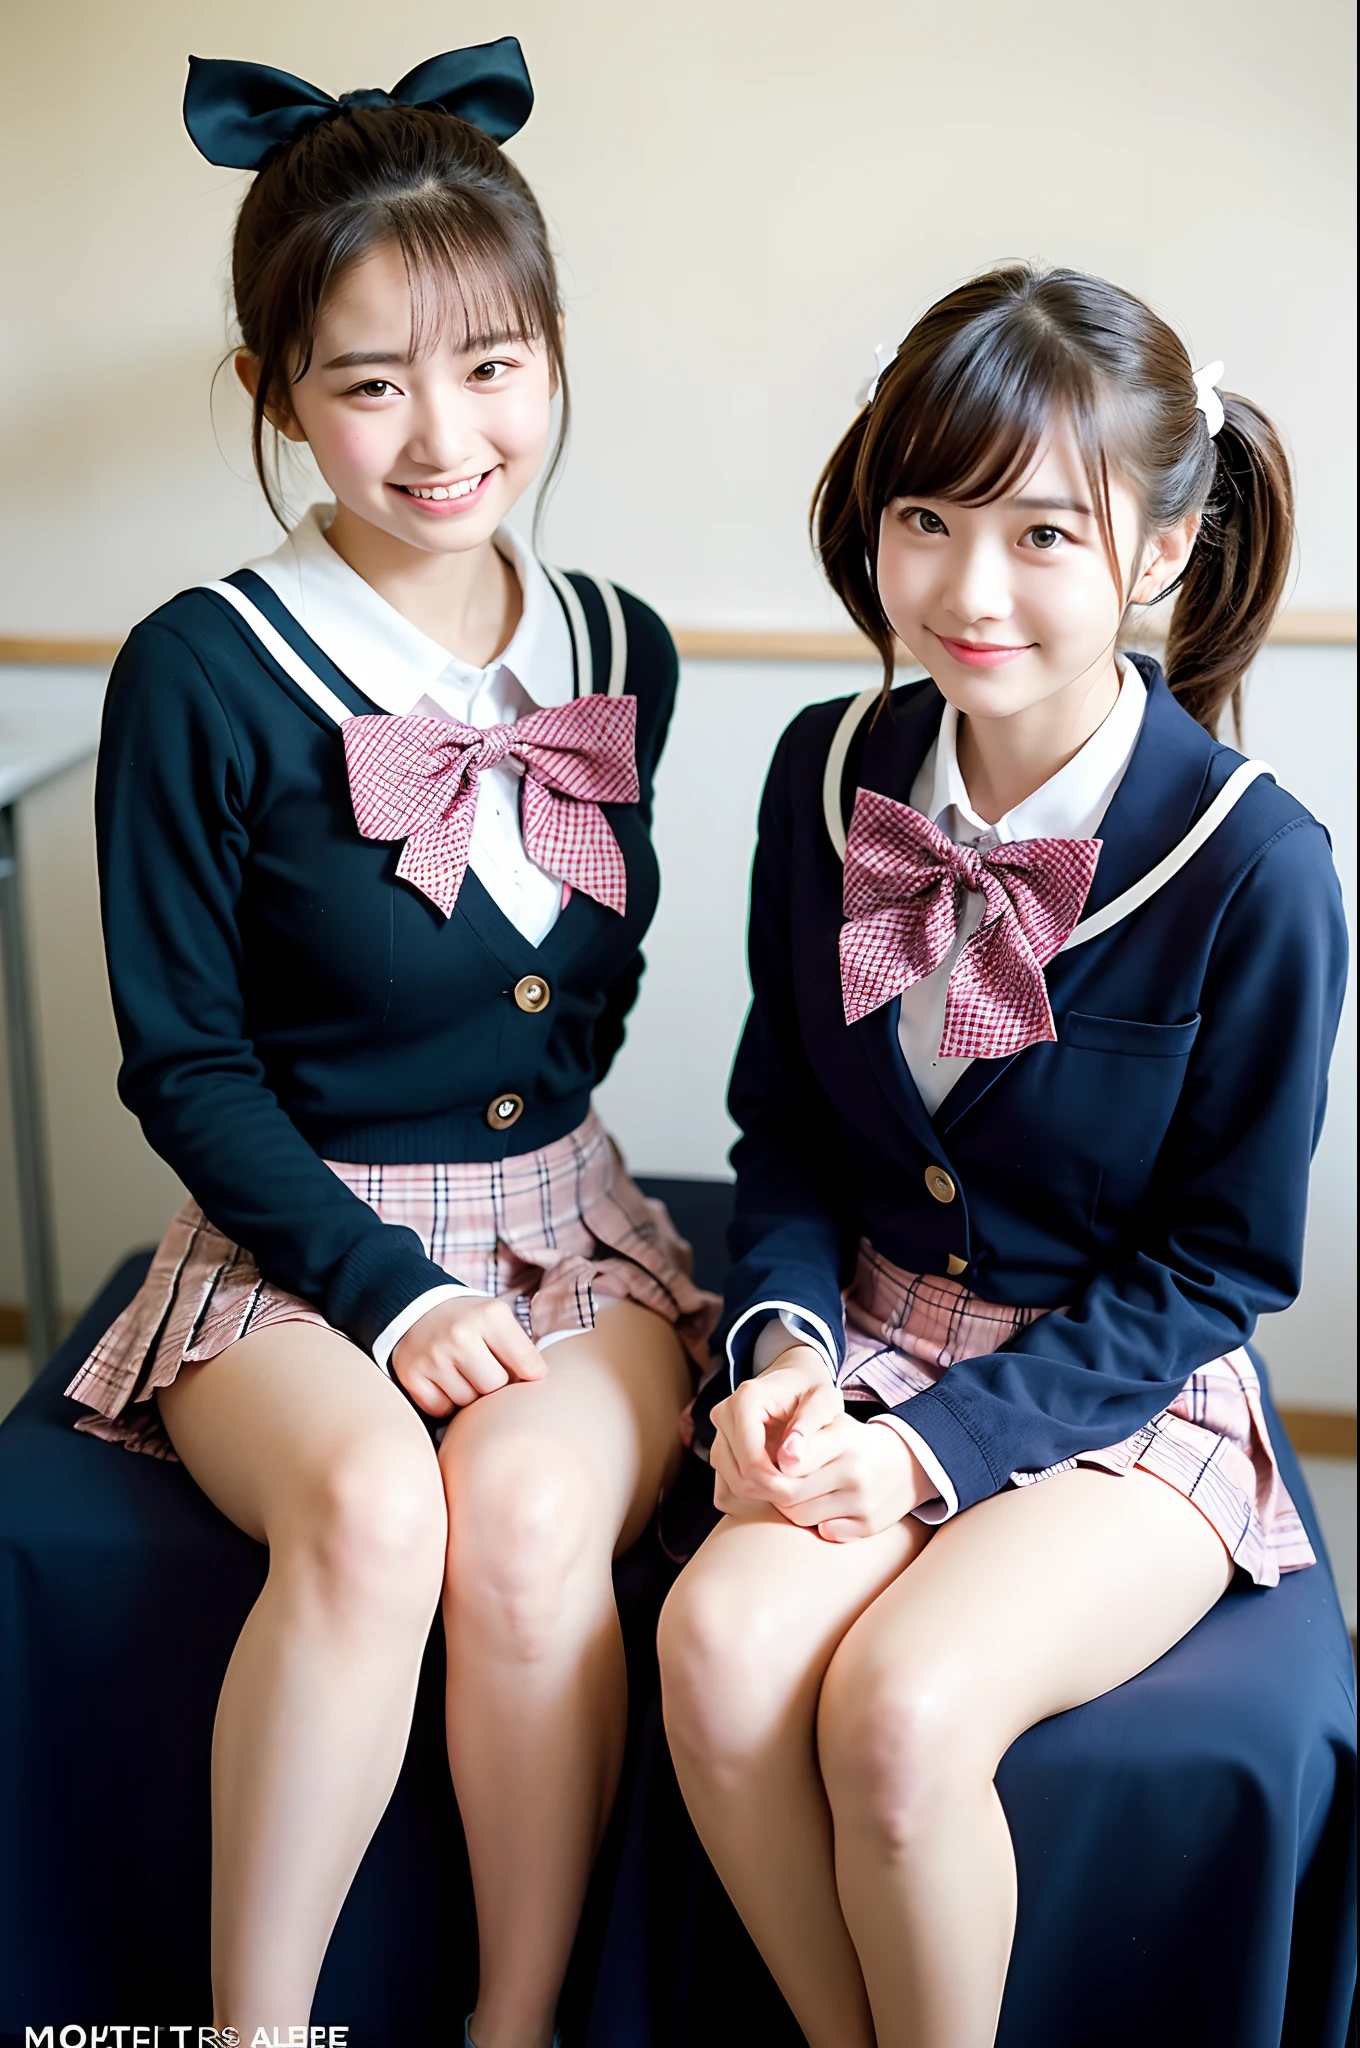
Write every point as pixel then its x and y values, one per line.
pixel 552 1230
pixel 903 877
pixel 415 779
pixel 904 1330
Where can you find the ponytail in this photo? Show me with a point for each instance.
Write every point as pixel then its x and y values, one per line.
pixel 1238 570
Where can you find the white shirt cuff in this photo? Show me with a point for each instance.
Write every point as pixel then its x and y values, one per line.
pixel 787 1332
pixel 946 1504
pixel 386 1342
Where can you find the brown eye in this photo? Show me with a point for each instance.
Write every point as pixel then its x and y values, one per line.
pixel 1045 538
pixel 923 521
pixel 376 387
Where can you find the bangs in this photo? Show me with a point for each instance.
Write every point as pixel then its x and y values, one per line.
pixel 967 423
pixel 970 425
pixel 469 286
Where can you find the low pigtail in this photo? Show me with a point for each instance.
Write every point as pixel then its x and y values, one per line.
pixel 1237 574
pixel 844 548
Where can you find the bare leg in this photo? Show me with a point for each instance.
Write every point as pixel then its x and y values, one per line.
pixel 546 1481
pixel 746 1637
pixel 299 1439
pixel 1028 1604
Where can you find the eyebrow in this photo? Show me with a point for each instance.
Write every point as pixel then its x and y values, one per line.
pixel 359 358
pixel 1051 505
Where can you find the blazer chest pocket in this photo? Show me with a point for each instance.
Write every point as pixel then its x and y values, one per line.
pixel 1129 1035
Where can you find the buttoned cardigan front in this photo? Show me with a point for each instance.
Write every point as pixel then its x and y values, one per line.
pixel 283 998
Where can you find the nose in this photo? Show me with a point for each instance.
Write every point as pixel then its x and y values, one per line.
pixel 976 586
pixel 443 435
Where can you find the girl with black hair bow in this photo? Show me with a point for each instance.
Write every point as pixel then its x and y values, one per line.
pixel 373 820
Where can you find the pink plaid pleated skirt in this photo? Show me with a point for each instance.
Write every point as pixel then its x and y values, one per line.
pixel 552 1229
pixel 904 1331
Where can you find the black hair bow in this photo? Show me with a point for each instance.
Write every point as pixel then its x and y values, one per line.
pixel 236 113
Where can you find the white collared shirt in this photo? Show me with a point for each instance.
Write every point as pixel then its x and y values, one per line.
pixel 402 670
pixel 1070 805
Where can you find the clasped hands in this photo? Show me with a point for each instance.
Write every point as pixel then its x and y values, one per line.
pixel 785 1439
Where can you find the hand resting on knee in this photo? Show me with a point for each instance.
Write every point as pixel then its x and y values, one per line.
pixel 462 1349
pixel 784 1439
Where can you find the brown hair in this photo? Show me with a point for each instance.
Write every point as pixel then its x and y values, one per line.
pixel 468 227
pixel 960 413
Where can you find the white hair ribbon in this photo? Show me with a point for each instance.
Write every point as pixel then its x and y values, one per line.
pixel 884 358
pixel 1207 399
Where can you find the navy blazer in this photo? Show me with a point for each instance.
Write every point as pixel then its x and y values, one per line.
pixel 1145 1177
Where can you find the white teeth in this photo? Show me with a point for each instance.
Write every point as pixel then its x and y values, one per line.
pixel 441 492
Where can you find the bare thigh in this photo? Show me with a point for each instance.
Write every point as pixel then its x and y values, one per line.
pixel 1032 1602
pixel 294 1420
pixel 604 1420
pixel 755 1617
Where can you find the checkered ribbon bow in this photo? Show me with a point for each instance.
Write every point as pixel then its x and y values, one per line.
pixel 416 779
pixel 903 882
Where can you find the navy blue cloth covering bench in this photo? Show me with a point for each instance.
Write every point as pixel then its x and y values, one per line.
pixel 1186 1844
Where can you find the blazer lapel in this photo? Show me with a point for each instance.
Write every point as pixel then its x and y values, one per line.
pixel 1160 795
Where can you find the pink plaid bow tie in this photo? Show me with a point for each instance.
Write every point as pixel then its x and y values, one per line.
pixel 902 877
pixel 416 779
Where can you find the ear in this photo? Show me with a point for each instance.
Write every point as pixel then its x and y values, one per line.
pixel 282 420
pixel 1164 559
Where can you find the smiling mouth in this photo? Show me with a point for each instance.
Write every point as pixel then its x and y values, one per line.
pixel 980 653
pixel 440 494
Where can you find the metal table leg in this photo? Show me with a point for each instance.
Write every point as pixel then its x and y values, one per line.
pixel 25 1081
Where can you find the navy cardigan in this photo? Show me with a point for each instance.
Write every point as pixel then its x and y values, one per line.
pixel 1145 1177
pixel 282 998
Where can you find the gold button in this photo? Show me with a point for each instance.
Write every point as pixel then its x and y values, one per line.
pixel 939 1184
pixel 532 993
pixel 956 1265
pixel 507 1109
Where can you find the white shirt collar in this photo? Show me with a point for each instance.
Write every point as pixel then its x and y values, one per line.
pixel 392 661
pixel 1070 805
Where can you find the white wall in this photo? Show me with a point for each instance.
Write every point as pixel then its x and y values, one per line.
pixel 748 196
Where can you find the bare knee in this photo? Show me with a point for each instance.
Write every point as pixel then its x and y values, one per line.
pixel 725 1677
pixel 529 1545
pixel 900 1745
pixel 366 1532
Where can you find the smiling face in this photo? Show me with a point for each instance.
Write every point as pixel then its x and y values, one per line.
pixel 1012 604
pixel 431 446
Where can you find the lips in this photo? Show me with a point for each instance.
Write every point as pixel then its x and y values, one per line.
pixel 980 653
pixel 440 494
pixel 441 500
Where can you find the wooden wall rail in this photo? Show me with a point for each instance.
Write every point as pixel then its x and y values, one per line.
pixel 1293 628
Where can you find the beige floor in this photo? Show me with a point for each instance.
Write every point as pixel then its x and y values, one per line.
pixel 1332 1481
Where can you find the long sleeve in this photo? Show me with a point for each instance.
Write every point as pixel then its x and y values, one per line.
pixel 171 806
pixel 791 1233
pixel 1220 1241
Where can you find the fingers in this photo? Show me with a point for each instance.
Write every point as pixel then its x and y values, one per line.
pixel 819 1407
pixel 435 1399
pixel 517 1354
pixel 743 1421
